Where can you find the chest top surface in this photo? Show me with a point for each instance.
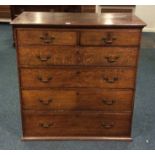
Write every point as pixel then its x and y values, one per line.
pixel 78 19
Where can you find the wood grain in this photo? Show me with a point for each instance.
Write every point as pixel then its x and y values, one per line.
pixel 67 55
pixel 78 99
pixel 76 124
pixel 78 77
pixel 77 74
pixel 45 37
pixel 47 56
pixel 111 37
pixel 108 56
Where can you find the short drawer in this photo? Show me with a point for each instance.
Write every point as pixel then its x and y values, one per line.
pixel 78 99
pixel 45 37
pixel 110 37
pixel 78 77
pixel 46 124
pixel 68 55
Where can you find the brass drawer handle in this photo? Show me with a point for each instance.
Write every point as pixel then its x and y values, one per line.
pixel 45 102
pixel 111 59
pixel 46 38
pixel 44 80
pixel 108 102
pixel 110 80
pixel 107 125
pixel 109 38
pixel 46 125
pixel 43 58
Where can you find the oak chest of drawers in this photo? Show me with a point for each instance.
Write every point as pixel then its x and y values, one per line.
pixel 77 74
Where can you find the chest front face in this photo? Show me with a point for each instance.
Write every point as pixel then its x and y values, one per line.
pixel 77 83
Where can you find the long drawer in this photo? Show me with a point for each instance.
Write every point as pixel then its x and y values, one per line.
pixel 68 55
pixel 78 99
pixel 78 77
pixel 46 37
pixel 46 124
pixel 110 37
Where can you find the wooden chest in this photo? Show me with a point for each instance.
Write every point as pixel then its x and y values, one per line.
pixel 77 74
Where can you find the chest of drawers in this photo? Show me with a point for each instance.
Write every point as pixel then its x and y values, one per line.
pixel 77 74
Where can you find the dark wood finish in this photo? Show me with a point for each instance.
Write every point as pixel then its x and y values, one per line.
pixel 88 8
pixel 105 10
pixel 78 99
pixel 80 19
pixel 117 8
pixel 77 87
pixel 66 55
pixel 76 124
pixel 16 10
pixel 5 11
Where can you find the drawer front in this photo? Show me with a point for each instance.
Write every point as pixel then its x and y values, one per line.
pixel 45 37
pixel 66 55
pixel 88 77
pixel 49 99
pixel 77 99
pixel 47 55
pixel 108 56
pixel 76 124
pixel 111 37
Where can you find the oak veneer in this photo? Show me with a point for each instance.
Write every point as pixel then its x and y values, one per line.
pixel 42 37
pixel 114 37
pixel 66 55
pixel 77 74
pixel 78 77
pixel 70 124
pixel 78 99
